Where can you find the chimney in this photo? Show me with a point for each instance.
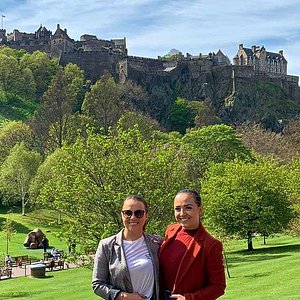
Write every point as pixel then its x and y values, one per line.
pixel 58 27
pixel 281 52
pixel 253 48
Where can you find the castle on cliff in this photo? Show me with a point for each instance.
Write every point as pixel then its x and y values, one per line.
pixel 95 56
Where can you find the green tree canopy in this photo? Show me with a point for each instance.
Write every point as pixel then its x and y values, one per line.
pixel 75 79
pixel 293 186
pixel 43 69
pixel 215 143
pixel 8 73
pixel 146 125
pixel 103 102
pixel 96 175
pixel 17 172
pixel 181 116
pixel 242 199
pixel 50 123
pixel 12 133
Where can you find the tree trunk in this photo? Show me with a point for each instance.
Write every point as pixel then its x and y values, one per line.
pixel 250 244
pixel 23 205
pixel 59 218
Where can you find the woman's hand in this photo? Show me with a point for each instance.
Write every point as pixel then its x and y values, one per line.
pixel 130 296
pixel 177 296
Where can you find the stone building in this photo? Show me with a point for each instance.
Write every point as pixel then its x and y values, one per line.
pixel 55 45
pixel 60 42
pixel 263 62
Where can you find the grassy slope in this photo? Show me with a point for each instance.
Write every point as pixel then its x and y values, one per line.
pixel 271 271
pixel 42 219
pixel 16 109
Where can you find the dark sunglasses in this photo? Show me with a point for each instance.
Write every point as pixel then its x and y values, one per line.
pixel 137 213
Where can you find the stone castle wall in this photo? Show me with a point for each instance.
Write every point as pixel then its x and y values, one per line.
pixel 94 63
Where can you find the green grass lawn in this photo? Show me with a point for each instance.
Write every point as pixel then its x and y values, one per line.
pixel 271 271
pixel 71 284
pixel 43 219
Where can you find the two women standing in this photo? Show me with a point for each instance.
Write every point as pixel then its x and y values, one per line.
pixel 190 259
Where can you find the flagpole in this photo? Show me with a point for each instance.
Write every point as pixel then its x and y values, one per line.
pixel 2 21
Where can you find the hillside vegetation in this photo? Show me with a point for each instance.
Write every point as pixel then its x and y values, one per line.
pixel 70 145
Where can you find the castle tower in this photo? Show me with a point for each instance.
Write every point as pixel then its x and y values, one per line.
pixel 2 36
pixel 61 42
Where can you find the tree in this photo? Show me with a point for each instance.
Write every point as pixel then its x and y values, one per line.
pixel 75 79
pixel 266 142
pixel 103 103
pixel 160 103
pixel 206 115
pixel 243 199
pixel 43 69
pixel 9 231
pixel 50 122
pixel 293 186
pixel 8 73
pixel 17 172
pixel 47 173
pixel 292 133
pixel 181 116
pixel 145 124
pixel 12 133
pixel 15 79
pixel 96 175
pixel 26 86
pixel 133 97
pixel 215 143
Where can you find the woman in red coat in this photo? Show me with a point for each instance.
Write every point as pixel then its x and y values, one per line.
pixel 191 260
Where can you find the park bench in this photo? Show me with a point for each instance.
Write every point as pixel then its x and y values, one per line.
pixel 19 261
pixel 54 262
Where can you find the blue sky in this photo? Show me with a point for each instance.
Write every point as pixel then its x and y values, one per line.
pixel 154 27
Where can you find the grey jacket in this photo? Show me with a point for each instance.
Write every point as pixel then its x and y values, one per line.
pixel 111 275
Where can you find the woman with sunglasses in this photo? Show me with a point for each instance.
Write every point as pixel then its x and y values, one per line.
pixel 126 264
pixel 191 260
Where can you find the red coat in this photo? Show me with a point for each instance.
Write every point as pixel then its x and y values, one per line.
pixel 201 272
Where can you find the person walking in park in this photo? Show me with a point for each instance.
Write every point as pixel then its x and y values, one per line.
pixel 191 260
pixel 45 243
pixel 126 264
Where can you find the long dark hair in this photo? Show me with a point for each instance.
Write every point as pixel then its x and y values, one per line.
pixel 194 193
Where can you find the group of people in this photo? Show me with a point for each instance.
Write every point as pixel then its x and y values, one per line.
pixel 186 265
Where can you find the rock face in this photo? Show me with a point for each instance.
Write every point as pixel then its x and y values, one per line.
pixel 35 240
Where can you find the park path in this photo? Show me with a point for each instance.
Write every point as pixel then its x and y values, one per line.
pixel 25 270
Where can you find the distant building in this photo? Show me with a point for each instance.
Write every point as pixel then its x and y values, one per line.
pixel 55 45
pixel 263 62
pixel 96 56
